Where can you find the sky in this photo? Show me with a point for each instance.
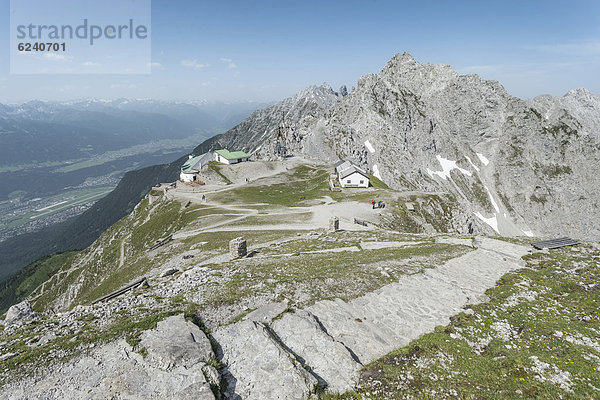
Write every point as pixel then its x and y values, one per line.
pixel 268 50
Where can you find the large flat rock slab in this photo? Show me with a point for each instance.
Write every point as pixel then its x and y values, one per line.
pixel 334 338
pixel 375 324
pixel 330 360
pixel 257 367
pixel 388 318
pixel 176 342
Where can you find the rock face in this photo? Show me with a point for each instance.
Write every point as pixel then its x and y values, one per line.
pixel 177 352
pixel 510 163
pixel 261 129
pixel 515 167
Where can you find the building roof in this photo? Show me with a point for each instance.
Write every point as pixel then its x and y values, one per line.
pixel 337 164
pixel 345 168
pixel 349 171
pixel 231 155
pixel 188 166
pixel 555 243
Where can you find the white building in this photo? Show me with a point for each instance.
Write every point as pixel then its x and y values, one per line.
pixel 230 157
pixel 191 168
pixel 351 175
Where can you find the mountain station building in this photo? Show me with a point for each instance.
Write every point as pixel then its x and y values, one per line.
pixel 191 168
pixel 230 157
pixel 351 175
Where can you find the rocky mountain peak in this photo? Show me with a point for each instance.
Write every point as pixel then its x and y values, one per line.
pixel 509 162
pixel 583 97
pixel 404 72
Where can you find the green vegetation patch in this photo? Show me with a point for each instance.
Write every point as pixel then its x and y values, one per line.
pixel 300 184
pixel 345 274
pixel 555 170
pixel 377 183
pixel 289 218
pixel 431 210
pixel 19 286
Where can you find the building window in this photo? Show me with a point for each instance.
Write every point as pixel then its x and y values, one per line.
pixel 348 181
pixel 362 182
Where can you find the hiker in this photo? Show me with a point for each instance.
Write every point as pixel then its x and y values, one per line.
pixel 373 204
pixel 203 198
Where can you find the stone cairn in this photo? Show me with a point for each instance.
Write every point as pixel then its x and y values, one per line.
pixel 334 224
pixel 237 248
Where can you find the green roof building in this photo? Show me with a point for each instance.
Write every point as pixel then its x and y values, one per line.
pixel 230 157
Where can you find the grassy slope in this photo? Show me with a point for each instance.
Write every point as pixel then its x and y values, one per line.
pixel 79 232
pixel 301 184
pixel 97 267
pixel 20 285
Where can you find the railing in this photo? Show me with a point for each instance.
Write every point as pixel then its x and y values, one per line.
pixel 121 291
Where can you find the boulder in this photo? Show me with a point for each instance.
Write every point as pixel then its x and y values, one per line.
pixel 19 311
pixel 176 342
pixel 169 271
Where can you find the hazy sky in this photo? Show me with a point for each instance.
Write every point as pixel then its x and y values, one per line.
pixel 267 50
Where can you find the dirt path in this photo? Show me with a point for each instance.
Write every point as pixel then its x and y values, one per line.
pixel 122 256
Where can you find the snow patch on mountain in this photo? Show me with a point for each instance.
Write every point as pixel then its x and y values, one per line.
pixel 473 165
pixel 447 167
pixel 376 173
pixel 493 221
pixel 483 159
pixel 369 147
pixel 494 204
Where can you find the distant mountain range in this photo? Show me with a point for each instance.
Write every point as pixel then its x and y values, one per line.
pixel 43 132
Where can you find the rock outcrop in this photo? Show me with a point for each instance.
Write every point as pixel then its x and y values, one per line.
pixel 19 312
pixel 177 355
pixel 257 367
